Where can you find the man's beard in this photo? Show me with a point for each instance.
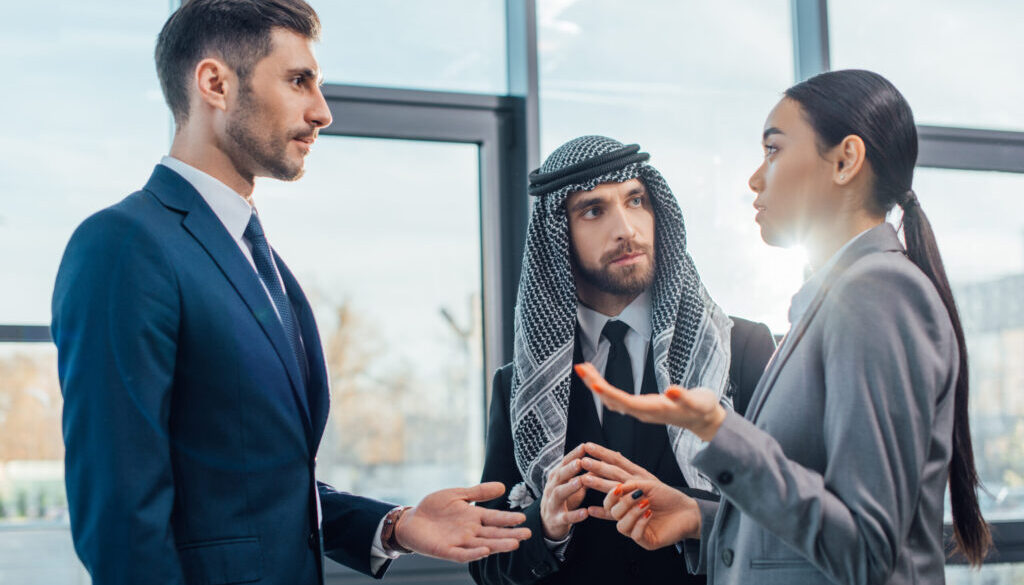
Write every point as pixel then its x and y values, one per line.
pixel 258 145
pixel 628 280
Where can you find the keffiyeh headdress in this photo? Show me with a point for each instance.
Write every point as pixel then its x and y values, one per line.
pixel 691 334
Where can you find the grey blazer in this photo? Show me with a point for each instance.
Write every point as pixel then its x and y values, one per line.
pixel 838 471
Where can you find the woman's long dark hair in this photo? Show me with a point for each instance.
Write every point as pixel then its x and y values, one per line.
pixel 854 102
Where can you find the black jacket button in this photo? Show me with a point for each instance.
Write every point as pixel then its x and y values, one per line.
pixel 724 478
pixel 312 541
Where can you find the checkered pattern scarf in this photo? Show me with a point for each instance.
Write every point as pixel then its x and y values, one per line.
pixel 691 334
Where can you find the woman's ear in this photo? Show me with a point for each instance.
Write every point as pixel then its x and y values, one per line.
pixel 850 155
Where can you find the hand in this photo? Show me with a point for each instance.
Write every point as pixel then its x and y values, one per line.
pixel 563 494
pixel 651 513
pixel 697 410
pixel 445 525
pixel 667 515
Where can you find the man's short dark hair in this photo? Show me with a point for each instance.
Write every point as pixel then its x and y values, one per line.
pixel 236 31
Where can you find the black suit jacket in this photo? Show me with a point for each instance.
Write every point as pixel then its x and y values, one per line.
pixel 597 553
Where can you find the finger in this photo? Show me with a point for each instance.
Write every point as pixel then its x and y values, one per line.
pixel 573 516
pixel 500 518
pixel 593 379
pixel 564 473
pixel 482 492
pixel 628 521
pixel 574 454
pixel 628 502
pixel 614 457
pixel 465 555
pixel 493 544
pixel 520 533
pixel 605 470
pixel 596 482
pixel 650 408
pixel 576 498
pixel 611 499
pixel 599 512
pixel 640 527
pixel 561 493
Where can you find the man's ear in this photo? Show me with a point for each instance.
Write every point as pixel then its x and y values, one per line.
pixel 850 155
pixel 214 80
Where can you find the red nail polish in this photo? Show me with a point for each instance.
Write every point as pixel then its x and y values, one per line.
pixel 618 490
pixel 579 370
pixel 644 503
pixel 648 513
pixel 673 393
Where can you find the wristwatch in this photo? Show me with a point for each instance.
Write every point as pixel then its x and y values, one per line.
pixel 389 533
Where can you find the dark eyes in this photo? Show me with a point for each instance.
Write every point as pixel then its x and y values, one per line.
pixel 770 149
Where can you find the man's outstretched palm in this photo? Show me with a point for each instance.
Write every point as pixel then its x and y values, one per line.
pixel 447 526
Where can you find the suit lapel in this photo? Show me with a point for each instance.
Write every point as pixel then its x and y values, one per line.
pixel 175 192
pixel 583 425
pixel 879 239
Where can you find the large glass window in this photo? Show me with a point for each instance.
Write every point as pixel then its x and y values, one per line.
pixel 446 45
pixel 384 236
pixel 978 220
pixel 692 83
pixel 83 124
pixel 956 62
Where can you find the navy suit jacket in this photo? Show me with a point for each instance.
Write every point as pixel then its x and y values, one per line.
pixel 190 436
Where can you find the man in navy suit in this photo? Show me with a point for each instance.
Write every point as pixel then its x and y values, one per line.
pixel 194 382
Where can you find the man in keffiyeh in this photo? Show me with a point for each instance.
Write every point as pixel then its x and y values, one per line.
pixel 607 279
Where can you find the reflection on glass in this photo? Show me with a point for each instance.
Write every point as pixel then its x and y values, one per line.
pixel 445 45
pixel 83 124
pixel 953 60
pixel 35 545
pixel 991 574
pixel 692 83
pixel 979 224
pixel 384 236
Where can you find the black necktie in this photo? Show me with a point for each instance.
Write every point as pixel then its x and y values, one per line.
pixel 618 428
pixel 268 274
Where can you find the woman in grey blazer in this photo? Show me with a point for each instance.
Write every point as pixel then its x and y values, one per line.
pixel 837 473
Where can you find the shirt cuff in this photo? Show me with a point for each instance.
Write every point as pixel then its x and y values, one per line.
pixel 378 556
pixel 557 547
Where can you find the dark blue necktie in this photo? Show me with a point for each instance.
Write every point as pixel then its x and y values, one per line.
pixel 618 428
pixel 268 274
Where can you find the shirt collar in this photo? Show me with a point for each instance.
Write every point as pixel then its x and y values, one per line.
pixel 637 315
pixel 803 297
pixel 230 208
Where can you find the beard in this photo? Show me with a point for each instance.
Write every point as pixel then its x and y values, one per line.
pixel 626 280
pixel 257 145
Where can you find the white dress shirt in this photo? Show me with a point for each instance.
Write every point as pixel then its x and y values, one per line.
pixel 234 213
pixel 595 347
pixel 803 297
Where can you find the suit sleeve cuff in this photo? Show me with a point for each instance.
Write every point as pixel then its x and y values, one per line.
pixel 379 558
pixel 696 551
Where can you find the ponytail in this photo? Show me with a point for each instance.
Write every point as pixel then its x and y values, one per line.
pixel 970 532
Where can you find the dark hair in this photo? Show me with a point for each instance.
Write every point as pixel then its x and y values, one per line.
pixel 854 102
pixel 237 31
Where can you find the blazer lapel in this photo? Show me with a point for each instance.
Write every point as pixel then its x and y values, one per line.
pixel 879 239
pixel 583 425
pixel 175 192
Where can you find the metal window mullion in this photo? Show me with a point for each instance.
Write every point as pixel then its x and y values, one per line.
pixel 810 38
